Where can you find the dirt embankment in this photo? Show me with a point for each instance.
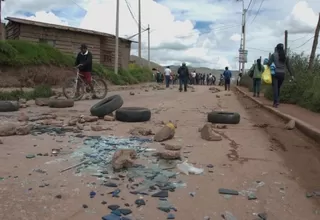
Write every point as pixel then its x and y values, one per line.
pixel 33 75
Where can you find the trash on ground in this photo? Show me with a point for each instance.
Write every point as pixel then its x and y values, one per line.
pixel 187 168
pixel 208 134
pixel 228 216
pixel 228 191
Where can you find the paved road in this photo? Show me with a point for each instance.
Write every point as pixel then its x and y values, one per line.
pixel 256 155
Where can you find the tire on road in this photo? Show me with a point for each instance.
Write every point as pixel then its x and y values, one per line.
pixel 218 117
pixel 9 106
pixel 133 114
pixel 106 106
pixel 61 103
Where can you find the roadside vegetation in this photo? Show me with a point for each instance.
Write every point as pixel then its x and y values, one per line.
pixel 304 91
pixel 17 53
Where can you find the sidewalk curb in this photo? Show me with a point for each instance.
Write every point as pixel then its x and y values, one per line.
pixel 305 128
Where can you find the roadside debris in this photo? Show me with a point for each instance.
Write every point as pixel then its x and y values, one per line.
pixel 208 134
pixel 109 118
pixel 187 168
pixel 9 129
pixel 228 192
pixel 123 158
pixel 139 131
pixel 290 125
pixel 165 133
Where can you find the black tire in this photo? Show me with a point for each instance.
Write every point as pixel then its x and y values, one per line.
pixel 106 106
pixel 61 103
pixel 217 117
pixel 96 80
pixel 133 114
pixel 9 106
pixel 69 81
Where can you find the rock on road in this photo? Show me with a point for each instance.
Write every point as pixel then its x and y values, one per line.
pixel 258 154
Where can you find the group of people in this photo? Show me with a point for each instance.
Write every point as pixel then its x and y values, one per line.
pixel 193 78
pixel 277 63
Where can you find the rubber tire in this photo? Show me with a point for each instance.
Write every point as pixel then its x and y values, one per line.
pixel 106 106
pixel 61 103
pixel 218 117
pixel 9 106
pixel 133 114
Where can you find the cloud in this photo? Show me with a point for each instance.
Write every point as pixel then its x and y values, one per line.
pixel 202 32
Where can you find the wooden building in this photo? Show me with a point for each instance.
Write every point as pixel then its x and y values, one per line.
pixel 68 40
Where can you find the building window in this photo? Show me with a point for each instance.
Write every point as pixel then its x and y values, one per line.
pixel 49 42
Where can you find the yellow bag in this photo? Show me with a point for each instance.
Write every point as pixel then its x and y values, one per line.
pixel 266 75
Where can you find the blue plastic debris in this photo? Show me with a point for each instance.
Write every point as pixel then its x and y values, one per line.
pixel 92 194
pixel 111 217
pixel 171 216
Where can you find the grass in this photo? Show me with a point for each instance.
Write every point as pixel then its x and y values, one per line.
pixel 42 91
pixel 17 53
pixel 304 91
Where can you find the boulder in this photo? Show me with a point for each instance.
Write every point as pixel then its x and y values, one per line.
pixel 208 134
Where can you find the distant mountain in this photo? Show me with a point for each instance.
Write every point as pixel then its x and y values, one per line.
pixel 144 62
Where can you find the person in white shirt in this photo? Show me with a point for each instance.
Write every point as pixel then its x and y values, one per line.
pixel 167 74
pixel 193 79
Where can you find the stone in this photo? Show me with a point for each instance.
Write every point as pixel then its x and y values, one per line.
pixel 80 126
pixel 112 217
pixel 8 129
pixel 208 134
pixel 99 128
pixel 23 117
pixel 228 191
pixel 110 184
pixel 252 196
pixel 42 101
pixel 23 106
pixel 113 207
pixel 263 216
pixel 123 158
pixel 30 156
pixel 22 101
pixel 219 126
pixel 52 122
pixel 172 147
pixel 161 194
pixel 85 206
pixel 58 196
pixel 125 211
pixel 290 125
pixel 108 118
pixel 217 96
pixel 23 129
pixel 73 121
pixel 103 202
pixel 146 90
pixel 90 118
pixel 1 142
pixel 171 216
pixel 169 155
pixel 139 131
pixel 116 212
pixel 140 202
pixel 165 133
pixel 43 117
pixel 131 93
pixel 210 166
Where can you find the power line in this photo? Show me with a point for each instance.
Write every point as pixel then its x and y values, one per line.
pixel 132 14
pixel 299 38
pixel 249 5
pixel 257 11
pixel 304 43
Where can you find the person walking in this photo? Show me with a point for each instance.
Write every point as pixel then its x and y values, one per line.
pixel 167 75
pixel 183 74
pixel 257 70
pixel 227 78
pixel 279 60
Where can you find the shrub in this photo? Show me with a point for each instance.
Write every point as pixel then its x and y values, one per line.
pixel 304 91
pixel 18 53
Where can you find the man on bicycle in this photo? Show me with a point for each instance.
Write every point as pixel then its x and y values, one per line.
pixel 84 64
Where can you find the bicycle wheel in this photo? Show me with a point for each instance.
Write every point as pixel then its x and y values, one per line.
pixel 100 87
pixel 69 89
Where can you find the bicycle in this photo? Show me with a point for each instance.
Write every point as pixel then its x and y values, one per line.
pixel 77 83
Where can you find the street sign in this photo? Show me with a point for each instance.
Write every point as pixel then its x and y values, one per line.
pixel 243 56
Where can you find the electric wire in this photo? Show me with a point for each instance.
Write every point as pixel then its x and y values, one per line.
pixel 257 12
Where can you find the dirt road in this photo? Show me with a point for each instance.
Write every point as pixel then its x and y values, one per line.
pixel 256 156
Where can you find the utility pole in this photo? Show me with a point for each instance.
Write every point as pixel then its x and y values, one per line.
pixel 315 44
pixel 244 35
pixel 286 42
pixel 116 63
pixel 149 46
pixel 139 8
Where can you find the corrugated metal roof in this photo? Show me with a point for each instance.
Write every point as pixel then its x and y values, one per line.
pixel 61 27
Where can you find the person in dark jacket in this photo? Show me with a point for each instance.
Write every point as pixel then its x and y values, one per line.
pixel 84 64
pixel 227 78
pixel 183 73
pixel 279 59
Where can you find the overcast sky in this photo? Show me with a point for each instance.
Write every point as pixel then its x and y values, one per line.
pixel 199 32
